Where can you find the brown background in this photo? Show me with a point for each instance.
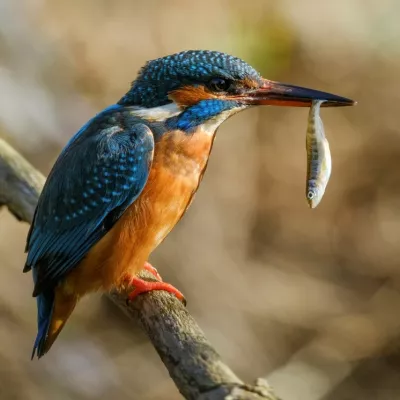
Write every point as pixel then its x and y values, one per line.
pixel 308 299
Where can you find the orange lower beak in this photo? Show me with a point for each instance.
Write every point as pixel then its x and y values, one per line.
pixel 281 94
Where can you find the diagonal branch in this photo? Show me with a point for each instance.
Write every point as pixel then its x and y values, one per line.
pixel 193 364
pixel 20 183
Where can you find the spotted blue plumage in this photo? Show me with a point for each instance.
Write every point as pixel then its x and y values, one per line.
pixel 98 175
pixel 158 77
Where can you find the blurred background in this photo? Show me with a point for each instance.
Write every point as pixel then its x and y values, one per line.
pixel 309 299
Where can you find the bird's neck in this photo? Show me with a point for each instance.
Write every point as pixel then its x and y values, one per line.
pixel 206 115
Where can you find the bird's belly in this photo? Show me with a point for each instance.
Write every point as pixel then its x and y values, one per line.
pixel 178 166
pixel 165 198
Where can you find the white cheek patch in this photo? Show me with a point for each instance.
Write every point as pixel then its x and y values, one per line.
pixel 157 113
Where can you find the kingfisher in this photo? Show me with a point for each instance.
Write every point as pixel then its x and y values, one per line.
pixel 129 174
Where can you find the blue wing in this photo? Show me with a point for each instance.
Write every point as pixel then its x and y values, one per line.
pixel 98 175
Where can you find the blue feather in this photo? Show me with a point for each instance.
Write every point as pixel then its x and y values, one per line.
pixel 200 113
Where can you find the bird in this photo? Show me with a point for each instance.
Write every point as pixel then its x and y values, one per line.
pixel 127 177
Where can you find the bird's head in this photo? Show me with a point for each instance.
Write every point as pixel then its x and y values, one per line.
pixel 201 87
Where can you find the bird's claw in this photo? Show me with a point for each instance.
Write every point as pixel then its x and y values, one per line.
pixel 148 267
pixel 143 286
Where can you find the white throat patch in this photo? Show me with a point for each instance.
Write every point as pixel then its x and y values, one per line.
pixel 210 126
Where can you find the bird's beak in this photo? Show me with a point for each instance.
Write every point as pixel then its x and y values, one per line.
pixel 282 94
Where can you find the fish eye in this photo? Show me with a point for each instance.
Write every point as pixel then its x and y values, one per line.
pixel 219 85
pixel 310 194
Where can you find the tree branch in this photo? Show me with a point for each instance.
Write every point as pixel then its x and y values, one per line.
pixel 192 362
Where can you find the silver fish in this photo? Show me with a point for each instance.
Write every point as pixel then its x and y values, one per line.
pixel 319 162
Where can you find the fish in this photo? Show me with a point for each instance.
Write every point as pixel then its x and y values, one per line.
pixel 319 161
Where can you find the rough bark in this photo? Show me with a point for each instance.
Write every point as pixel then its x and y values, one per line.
pixel 193 364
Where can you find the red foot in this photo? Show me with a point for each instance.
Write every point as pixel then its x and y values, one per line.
pixel 142 286
pixel 152 270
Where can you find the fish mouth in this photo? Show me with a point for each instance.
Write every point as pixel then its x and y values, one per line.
pixel 283 94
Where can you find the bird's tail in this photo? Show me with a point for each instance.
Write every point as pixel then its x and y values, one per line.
pixel 45 306
pixel 54 309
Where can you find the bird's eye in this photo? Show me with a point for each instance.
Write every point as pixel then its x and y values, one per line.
pixel 219 85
